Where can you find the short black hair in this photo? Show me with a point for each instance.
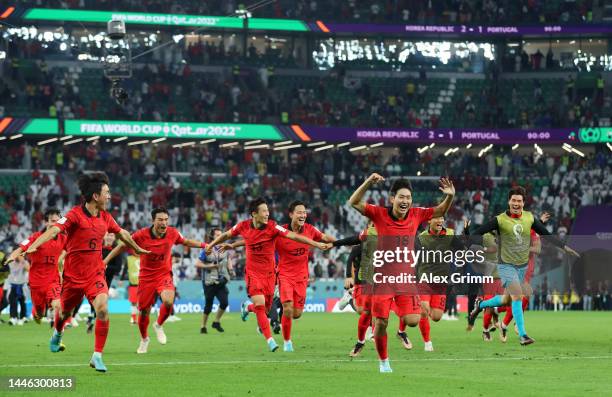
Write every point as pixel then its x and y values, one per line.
pixel 254 204
pixel 211 233
pixel 518 191
pixel 51 211
pixel 295 204
pixel 399 184
pixel 90 184
pixel 159 210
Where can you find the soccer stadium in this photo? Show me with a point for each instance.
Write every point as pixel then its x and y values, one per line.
pixel 288 198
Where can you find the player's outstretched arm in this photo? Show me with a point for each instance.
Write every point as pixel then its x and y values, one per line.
pixel 446 187
pixel 13 255
pixel 302 239
pixel 116 251
pixel 353 240
pixel 193 243
pixel 356 199
pixel 125 236
pixel 223 237
pixel 540 229
pixel 327 238
pixel 51 233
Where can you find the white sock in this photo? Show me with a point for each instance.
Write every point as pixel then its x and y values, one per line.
pixel 97 354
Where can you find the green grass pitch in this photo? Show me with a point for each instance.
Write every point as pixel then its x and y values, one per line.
pixel 572 356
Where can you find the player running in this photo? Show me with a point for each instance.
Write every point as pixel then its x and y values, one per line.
pixel 514 229
pixel 397 226
pixel 85 226
pixel 260 235
pixel 155 276
pixel 293 268
pixel 44 279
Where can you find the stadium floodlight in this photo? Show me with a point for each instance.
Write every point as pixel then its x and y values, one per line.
pixel 252 142
pixel 578 152
pixel 343 144
pixel 282 143
pixel 432 145
pixel 264 146
pixel 138 142
pixel 121 138
pixel 356 148
pixel 205 141
pixel 418 173
pixel 423 149
pixel 185 144
pixel 609 146
pixel 65 138
pixel 16 137
pixel 230 144
pixel 468 146
pixel 158 140
pixel 515 146
pixel 73 141
pixel 313 144
pixel 288 147
pixel 376 145
pixel 47 141
pixel 323 148
pixel 449 151
pixel 93 138
pixel 2 138
pixel 538 149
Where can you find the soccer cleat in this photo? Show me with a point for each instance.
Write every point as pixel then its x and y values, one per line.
pixel 74 323
pixel 159 332
pixel 503 334
pixel 217 326
pixel 428 347
pixel 345 300
pixel 144 345
pixel 37 320
pixel 203 330
pixel 357 349
pixel 13 321
pixel 384 366
pixel 244 311
pixel 276 327
pixel 272 345
pixel 469 327
pixel 288 346
pixel 486 335
pixel 525 340
pixel 55 344
pixel 403 337
pixel 90 327
pixel 475 311
pixel 132 321
pixel 97 363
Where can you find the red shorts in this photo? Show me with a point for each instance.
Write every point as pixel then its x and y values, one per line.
pixel 435 301
pixel 404 305
pixel 492 289
pixel 257 284
pixel 292 290
pixel 362 300
pixel 43 296
pixel 148 290
pixel 133 294
pixel 73 291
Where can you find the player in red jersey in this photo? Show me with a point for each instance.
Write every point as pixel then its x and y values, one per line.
pixel 396 227
pixel 293 268
pixel 44 276
pixel 85 226
pixel 260 234
pixel 155 275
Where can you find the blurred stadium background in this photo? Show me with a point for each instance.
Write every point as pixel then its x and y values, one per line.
pixel 301 100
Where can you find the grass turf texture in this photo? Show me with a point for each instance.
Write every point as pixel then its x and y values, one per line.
pixel 572 356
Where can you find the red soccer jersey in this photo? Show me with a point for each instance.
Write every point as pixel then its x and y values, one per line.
pixel 392 232
pixel 259 245
pixel 84 234
pixel 43 262
pixel 158 263
pixel 294 255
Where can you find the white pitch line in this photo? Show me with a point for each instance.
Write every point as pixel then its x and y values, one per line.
pixel 311 361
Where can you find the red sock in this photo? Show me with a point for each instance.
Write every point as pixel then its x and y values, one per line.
pixel 59 324
pixel 286 327
pixel 251 308
pixel 508 317
pixel 402 325
pixel 101 334
pixel 164 313
pixel 525 303
pixel 262 321
pixel 381 346
pixel 424 327
pixel 365 319
pixel 486 319
pixel 143 326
